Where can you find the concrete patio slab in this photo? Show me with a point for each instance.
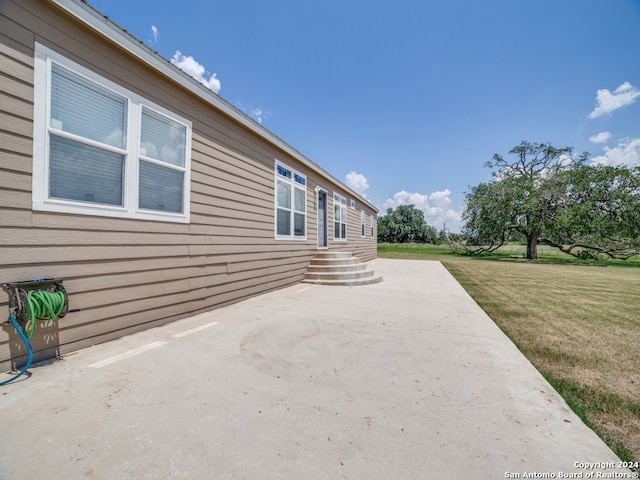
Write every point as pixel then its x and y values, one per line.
pixel 405 379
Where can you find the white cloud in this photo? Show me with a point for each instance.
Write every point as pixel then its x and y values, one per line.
pixel 155 33
pixel 627 152
pixel 260 115
pixel 607 102
pixel 191 67
pixel 601 137
pixel 436 207
pixel 357 182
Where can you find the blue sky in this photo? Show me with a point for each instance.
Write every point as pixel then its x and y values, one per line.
pixel 406 99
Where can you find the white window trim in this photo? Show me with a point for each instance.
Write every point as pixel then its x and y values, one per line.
pixel 372 225
pixel 346 223
pixel 44 57
pixel 294 185
pixel 362 224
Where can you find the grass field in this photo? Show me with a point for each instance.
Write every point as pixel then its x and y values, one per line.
pixel 579 324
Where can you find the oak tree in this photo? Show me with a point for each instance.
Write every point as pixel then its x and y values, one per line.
pixel 545 195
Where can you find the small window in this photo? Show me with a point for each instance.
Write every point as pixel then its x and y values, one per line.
pixel 100 149
pixel 291 204
pixel 339 217
pixel 353 204
pixel 362 217
pixel 285 172
pixel 300 179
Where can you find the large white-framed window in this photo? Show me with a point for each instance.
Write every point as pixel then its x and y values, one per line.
pixel 362 217
pixel 100 149
pixel 339 217
pixel 372 225
pixel 290 203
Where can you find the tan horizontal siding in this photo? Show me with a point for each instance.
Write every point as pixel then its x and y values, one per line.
pixel 16 65
pixel 15 124
pixel 12 14
pixel 274 249
pixel 226 174
pixel 14 218
pixel 48 254
pixel 245 289
pixel 233 188
pixel 15 180
pixel 16 112
pixel 15 199
pixel 12 85
pixel 13 45
pixel 104 224
pixel 19 144
pixel 63 237
pixel 239 200
pixel 223 163
pixel 17 107
pixel 203 226
pixel 107 273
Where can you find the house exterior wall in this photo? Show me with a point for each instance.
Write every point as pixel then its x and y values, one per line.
pixel 130 274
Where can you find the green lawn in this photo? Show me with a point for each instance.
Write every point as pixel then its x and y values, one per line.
pixel 577 322
pixel 510 252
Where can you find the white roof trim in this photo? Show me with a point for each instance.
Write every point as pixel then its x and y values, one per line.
pixel 107 28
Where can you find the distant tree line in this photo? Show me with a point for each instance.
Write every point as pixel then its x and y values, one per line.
pixel 405 224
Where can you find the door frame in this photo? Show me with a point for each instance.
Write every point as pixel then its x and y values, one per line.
pixel 321 191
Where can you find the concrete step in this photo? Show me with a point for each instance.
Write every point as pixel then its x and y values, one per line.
pixel 339 275
pixel 341 255
pixel 336 268
pixel 340 269
pixel 335 261
pixel 346 283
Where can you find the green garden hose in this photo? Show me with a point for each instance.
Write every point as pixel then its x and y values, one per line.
pixel 44 307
